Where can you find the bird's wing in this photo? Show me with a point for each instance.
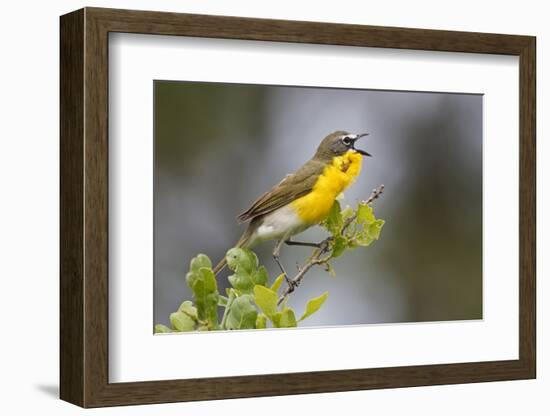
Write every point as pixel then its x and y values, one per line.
pixel 292 187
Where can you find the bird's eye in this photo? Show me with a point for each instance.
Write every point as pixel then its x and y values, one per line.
pixel 346 140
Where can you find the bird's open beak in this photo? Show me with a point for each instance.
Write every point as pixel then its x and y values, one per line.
pixel 359 150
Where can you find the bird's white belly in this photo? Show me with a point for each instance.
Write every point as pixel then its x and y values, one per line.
pixel 281 223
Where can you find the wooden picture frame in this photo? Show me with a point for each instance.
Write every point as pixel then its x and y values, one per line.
pixel 84 207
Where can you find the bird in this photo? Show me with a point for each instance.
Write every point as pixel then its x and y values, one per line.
pixel 303 198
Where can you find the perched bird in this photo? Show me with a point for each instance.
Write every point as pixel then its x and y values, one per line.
pixel 304 198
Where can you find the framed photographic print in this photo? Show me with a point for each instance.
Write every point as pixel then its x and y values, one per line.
pixel 255 207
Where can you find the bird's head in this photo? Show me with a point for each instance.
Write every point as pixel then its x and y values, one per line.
pixel 339 143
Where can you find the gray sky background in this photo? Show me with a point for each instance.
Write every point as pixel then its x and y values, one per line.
pixel 219 146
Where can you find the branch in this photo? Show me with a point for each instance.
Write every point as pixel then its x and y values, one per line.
pixel 323 254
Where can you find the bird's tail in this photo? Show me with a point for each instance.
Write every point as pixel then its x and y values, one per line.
pixel 243 242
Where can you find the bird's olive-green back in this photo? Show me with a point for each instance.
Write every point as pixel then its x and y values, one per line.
pixel 292 187
pixel 297 184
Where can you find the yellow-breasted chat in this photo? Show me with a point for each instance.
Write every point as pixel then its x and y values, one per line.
pixel 303 198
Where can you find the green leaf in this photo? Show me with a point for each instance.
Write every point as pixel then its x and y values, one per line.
pixel 261 277
pixel 162 329
pixel 205 294
pixel 242 258
pixel 371 227
pixel 277 283
pixel 261 321
pixel 339 246
pixel 241 314
pixel 347 212
pixel 334 220
pixel 365 214
pixel 197 263
pixel 202 281
pixel 285 319
pixel 314 305
pixel 230 299
pixel 375 228
pixel 222 300
pixel 370 233
pixel 266 299
pixel 188 308
pixel 182 322
pixel 247 274
pixel 288 319
pixel 363 239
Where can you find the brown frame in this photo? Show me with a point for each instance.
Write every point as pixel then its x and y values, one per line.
pixel 84 207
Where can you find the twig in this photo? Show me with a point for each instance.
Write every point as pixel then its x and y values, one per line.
pixel 375 194
pixel 323 254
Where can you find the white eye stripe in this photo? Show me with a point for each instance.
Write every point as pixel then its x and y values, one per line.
pixel 348 139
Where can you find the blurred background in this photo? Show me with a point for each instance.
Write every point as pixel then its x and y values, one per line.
pixel 219 146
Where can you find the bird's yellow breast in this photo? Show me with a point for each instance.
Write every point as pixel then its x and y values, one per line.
pixel 336 177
